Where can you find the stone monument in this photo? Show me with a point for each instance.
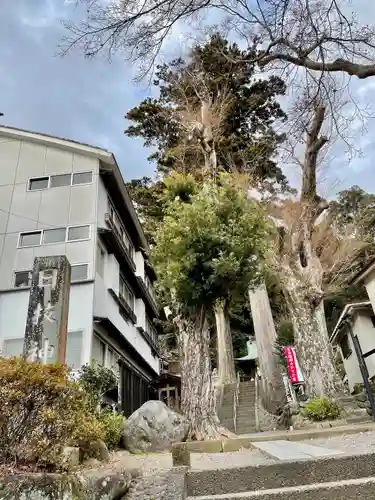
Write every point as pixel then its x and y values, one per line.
pixel 47 314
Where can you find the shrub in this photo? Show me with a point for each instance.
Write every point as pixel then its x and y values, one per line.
pixel 41 412
pixel 284 338
pixel 113 424
pixel 320 409
pixel 97 380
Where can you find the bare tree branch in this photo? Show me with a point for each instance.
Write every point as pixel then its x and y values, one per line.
pixel 318 35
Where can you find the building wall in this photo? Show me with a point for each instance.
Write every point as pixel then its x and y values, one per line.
pixel 365 331
pixel 106 306
pixel 13 312
pixel 22 210
pixel 370 287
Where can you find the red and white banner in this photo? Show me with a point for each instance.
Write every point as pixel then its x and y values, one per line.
pixel 294 370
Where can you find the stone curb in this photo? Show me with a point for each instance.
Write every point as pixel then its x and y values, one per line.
pixel 181 451
pixel 279 475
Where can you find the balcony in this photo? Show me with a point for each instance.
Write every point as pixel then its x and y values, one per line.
pixel 149 338
pixel 124 309
pixel 115 244
pixel 151 302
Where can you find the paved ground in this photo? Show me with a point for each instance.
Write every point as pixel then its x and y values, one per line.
pixel 354 444
pixel 154 469
pixel 289 450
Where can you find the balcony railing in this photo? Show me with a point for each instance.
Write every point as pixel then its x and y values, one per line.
pixel 112 226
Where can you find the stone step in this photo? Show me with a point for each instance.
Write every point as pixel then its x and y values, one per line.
pixel 358 419
pixel 281 475
pixel 352 489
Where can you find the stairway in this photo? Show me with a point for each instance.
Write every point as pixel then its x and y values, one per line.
pixel 338 478
pixel 226 409
pixel 246 409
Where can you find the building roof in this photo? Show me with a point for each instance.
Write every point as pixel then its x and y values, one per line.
pixel 349 309
pixel 106 158
pixel 16 132
pixel 361 275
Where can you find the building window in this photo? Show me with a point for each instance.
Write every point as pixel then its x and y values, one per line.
pixel 128 244
pixel 100 258
pixel 149 286
pixel 79 272
pixel 12 347
pixel 98 351
pixel 22 279
pixel 30 239
pixel 74 349
pixel 121 229
pixel 345 346
pixel 126 294
pixel 61 180
pixel 58 235
pixel 78 233
pixel 112 360
pixel 38 183
pixel 151 330
pixel 54 235
pixel 82 178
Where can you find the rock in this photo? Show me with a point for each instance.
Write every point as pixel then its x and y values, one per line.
pixel 154 427
pixel 102 452
pixel 92 463
pixel 108 487
pixel 98 486
pixel 70 456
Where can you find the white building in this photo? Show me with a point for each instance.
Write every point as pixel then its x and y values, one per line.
pixel 60 197
pixel 362 320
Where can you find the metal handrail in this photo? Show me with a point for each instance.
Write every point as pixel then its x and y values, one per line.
pixel 235 402
pixel 257 424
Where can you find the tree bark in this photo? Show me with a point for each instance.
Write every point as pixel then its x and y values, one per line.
pixel 197 391
pixel 272 388
pixel 314 351
pixel 225 358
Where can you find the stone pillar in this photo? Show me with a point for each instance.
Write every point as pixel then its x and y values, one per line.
pixel 47 314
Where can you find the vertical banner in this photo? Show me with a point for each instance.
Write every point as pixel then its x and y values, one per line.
pixel 294 370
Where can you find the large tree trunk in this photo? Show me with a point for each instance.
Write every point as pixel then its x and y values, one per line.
pixel 225 359
pixel 197 391
pixel 314 351
pixel 272 388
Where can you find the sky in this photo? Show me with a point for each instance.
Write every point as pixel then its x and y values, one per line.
pixel 86 100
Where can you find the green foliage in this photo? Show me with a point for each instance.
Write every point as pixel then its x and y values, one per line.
pixel 96 381
pixel 113 425
pixel 212 247
pixel 320 409
pixel 149 204
pixel 285 338
pixel 355 206
pixel 248 135
pixel 41 412
pixel 334 304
